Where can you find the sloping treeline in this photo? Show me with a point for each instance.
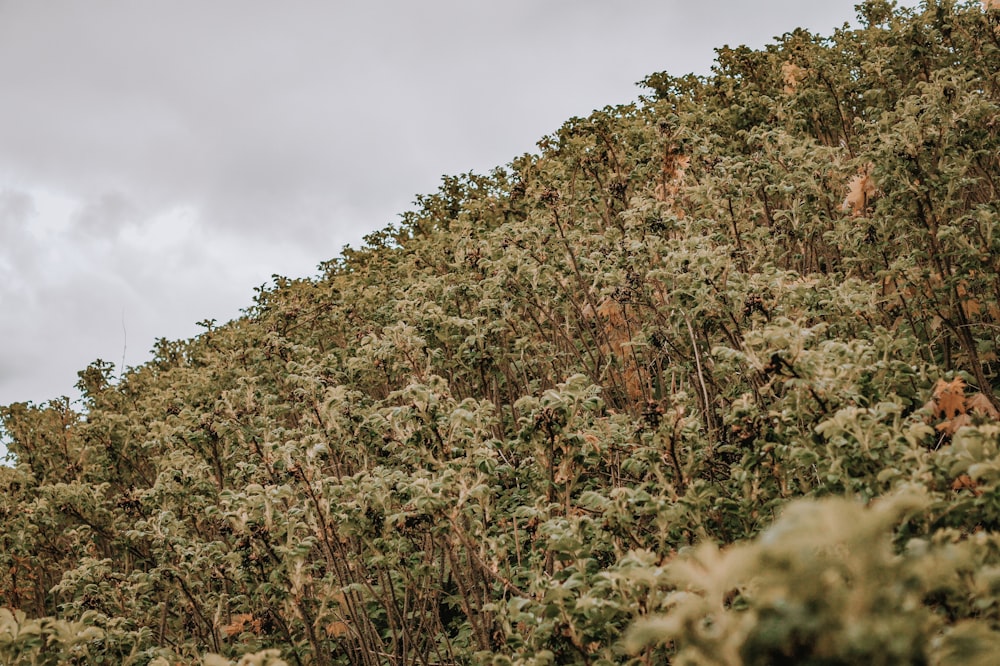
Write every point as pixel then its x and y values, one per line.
pixel 710 379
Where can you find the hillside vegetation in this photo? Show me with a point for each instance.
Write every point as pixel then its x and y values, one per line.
pixel 710 379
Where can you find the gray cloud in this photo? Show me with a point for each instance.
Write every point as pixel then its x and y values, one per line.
pixel 105 216
pixel 17 209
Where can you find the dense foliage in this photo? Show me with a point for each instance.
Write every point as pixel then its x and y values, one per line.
pixel 710 379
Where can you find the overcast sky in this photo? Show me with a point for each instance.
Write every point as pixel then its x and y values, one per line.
pixel 158 160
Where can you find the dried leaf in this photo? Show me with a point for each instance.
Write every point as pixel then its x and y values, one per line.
pixel 238 625
pixel 965 482
pixel 980 404
pixel 674 166
pixel 972 305
pixel 612 312
pixel 949 398
pixel 951 426
pixel 860 190
pixel 337 628
pixel 791 74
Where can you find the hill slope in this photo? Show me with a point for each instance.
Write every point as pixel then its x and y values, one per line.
pixel 759 310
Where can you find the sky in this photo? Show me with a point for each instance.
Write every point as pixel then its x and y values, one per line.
pixel 159 160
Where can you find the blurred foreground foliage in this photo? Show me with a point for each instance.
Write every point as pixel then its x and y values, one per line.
pixel 710 379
